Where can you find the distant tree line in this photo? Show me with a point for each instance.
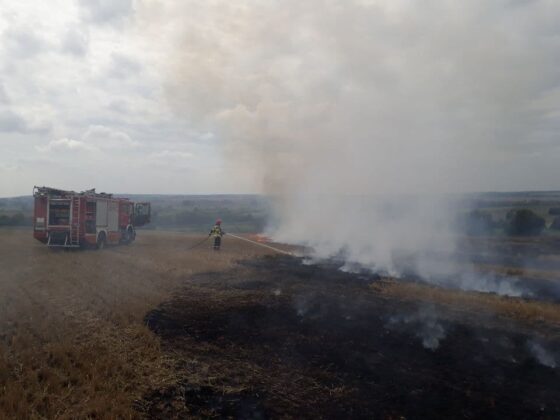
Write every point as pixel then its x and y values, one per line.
pixel 205 218
pixel 524 222
pixel 518 222
pixel 478 222
pixel 17 219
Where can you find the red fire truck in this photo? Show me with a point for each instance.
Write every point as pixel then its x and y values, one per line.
pixel 71 220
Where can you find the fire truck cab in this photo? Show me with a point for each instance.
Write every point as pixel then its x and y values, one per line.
pixel 71 220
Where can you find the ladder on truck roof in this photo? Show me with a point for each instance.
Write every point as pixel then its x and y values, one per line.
pixel 75 222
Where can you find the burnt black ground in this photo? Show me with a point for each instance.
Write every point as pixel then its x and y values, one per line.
pixel 274 338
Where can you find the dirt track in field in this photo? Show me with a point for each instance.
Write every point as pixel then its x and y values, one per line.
pixel 156 330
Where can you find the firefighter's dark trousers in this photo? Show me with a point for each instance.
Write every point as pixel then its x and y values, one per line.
pixel 217 243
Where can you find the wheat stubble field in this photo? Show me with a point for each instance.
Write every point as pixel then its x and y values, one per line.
pixel 72 338
pixel 160 331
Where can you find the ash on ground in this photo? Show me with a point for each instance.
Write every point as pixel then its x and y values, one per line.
pixel 332 346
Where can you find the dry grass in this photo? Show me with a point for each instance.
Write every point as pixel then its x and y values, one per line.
pixel 72 339
pixel 527 311
pixel 527 273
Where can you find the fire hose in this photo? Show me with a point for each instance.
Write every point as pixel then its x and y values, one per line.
pixel 259 244
pixel 198 244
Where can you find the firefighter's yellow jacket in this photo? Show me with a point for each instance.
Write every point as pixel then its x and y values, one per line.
pixel 217 231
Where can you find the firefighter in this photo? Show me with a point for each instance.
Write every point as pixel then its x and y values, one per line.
pixel 217 232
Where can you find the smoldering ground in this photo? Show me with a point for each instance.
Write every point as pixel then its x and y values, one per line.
pixel 334 344
pixel 425 325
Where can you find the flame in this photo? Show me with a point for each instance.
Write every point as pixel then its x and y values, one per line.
pixel 259 238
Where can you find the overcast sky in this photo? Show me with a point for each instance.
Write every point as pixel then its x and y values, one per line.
pixel 81 104
pixel 155 96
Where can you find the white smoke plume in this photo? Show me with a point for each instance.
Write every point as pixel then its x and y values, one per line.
pixel 354 114
pixel 481 282
pixel 425 325
pixel 542 355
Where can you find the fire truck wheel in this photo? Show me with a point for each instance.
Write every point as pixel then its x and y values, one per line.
pixel 128 236
pixel 101 240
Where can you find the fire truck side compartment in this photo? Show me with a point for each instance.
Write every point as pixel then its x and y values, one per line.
pixel 101 211
pixel 91 211
pixel 113 216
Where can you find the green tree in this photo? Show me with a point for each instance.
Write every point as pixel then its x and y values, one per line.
pixel 524 222
pixel 478 222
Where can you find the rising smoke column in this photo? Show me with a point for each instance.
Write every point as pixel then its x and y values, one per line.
pixel 353 114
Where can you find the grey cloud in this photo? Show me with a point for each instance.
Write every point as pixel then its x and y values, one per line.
pixel 97 138
pixel 171 160
pixel 120 106
pixel 14 122
pixel 107 138
pixel 11 122
pixel 75 42
pixel 4 98
pixel 123 66
pixel 23 42
pixel 106 11
pixel 65 144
